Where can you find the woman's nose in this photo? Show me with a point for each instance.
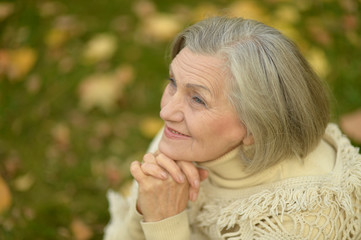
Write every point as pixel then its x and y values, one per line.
pixel 172 109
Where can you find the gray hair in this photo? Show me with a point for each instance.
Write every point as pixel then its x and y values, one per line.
pixel 277 95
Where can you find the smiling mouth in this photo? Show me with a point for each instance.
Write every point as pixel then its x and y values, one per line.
pixel 175 132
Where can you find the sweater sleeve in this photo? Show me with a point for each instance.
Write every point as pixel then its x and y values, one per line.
pixel 127 223
pixel 175 228
pixel 124 218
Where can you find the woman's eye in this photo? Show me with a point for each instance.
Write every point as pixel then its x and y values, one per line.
pixel 198 100
pixel 172 86
pixel 172 82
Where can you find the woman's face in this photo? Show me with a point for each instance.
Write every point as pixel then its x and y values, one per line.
pixel 200 123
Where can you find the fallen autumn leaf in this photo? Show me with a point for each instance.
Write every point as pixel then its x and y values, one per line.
pixel 351 125
pixel 80 230
pixel 5 199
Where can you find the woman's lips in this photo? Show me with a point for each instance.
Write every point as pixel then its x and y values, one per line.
pixel 171 133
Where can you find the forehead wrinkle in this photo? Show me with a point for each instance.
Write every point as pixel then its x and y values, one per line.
pixel 207 70
pixel 192 85
pixel 215 75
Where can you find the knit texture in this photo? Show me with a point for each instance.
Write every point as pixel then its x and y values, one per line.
pixel 327 206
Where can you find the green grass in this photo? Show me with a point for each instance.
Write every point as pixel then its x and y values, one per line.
pixel 68 152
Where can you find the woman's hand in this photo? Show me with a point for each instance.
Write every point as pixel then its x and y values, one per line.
pixel 159 199
pixel 159 165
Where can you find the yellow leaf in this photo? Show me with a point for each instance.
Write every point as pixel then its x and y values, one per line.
pixel 61 135
pixel 287 13
pixel 56 37
pixel 161 27
pixel 319 32
pixel 144 8
pixel 104 90
pixel 125 74
pixel 6 9
pixel 24 183
pixel 81 231
pixel 21 62
pixel 100 47
pixel 249 10
pixel 5 196
pixel 150 126
pixel 98 91
pixel 318 61
pixel 33 84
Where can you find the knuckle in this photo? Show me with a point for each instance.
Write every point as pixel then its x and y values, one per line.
pixel 148 168
pixel 160 158
pixel 162 162
pixel 188 168
pixel 148 157
pixel 150 186
pixel 170 182
pixel 144 165
pixel 133 165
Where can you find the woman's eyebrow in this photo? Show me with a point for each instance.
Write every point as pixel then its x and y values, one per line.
pixel 191 85
pixel 198 86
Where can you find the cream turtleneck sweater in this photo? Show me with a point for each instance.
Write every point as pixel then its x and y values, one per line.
pixel 318 197
pixel 228 170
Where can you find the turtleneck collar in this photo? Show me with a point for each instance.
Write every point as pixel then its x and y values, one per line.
pixel 228 171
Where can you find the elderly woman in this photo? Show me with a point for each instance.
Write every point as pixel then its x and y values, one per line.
pixel 246 151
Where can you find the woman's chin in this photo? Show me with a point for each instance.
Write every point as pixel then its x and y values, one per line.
pixel 172 153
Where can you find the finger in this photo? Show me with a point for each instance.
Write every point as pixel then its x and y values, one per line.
pixel 156 153
pixel 193 193
pixel 191 172
pixel 149 158
pixel 154 170
pixel 136 171
pixel 171 167
pixel 193 175
pixel 203 173
pixel 150 167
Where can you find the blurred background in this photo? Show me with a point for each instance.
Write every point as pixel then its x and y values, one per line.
pixel 80 85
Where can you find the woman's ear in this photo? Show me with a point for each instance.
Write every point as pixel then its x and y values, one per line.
pixel 248 140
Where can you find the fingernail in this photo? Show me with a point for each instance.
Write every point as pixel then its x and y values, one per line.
pixel 196 183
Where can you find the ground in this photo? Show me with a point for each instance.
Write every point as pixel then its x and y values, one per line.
pixel 80 84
